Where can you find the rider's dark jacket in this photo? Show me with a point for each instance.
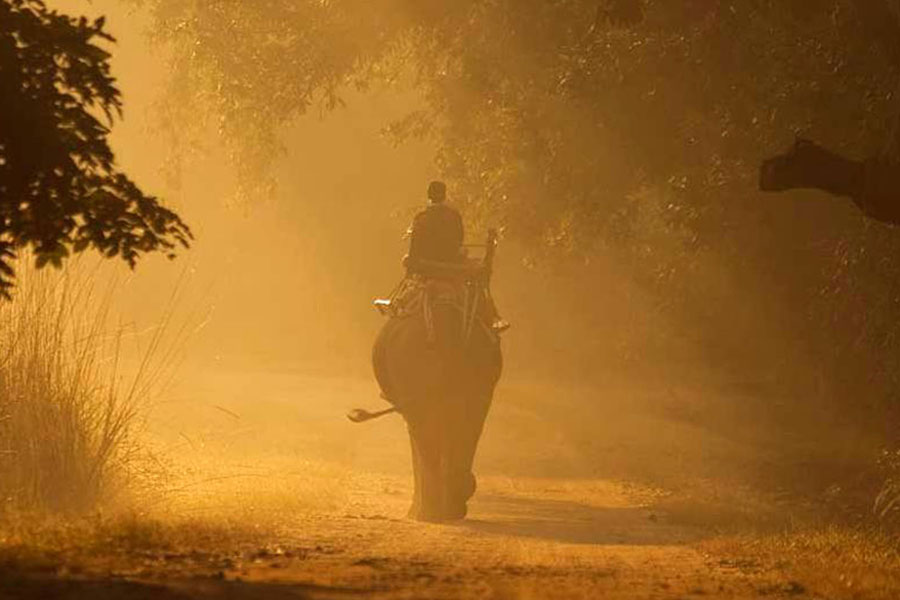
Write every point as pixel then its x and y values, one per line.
pixel 436 234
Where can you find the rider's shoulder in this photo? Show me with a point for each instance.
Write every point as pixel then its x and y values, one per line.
pixel 443 208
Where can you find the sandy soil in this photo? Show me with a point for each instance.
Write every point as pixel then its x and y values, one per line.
pixel 566 507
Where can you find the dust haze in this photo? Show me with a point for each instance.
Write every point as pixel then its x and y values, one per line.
pixel 691 389
pixel 281 287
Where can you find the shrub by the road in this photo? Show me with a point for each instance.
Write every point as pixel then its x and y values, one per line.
pixel 67 413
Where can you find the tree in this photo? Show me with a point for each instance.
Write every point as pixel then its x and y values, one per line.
pixel 60 191
pixel 589 125
pixel 550 115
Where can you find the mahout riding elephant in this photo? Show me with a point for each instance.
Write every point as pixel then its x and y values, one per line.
pixel 437 361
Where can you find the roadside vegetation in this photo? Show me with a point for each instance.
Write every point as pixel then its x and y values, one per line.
pixel 66 416
pixel 827 561
pixel 72 392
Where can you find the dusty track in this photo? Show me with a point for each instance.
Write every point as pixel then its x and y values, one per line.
pixel 556 515
pixel 533 543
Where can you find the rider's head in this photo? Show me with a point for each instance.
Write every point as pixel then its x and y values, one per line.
pixel 437 191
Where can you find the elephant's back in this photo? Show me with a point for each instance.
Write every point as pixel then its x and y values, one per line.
pixel 403 362
pixel 411 362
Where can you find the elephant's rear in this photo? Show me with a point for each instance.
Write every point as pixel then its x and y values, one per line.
pixel 442 383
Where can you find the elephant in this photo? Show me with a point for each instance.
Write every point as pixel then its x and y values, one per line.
pixel 438 363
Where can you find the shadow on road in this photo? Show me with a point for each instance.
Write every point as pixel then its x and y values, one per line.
pixel 50 586
pixel 574 523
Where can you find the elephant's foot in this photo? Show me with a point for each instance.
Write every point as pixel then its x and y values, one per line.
pixel 469 486
pixel 420 513
pixel 452 510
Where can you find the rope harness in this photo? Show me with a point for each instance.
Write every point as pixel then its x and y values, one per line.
pixel 419 294
pixel 463 286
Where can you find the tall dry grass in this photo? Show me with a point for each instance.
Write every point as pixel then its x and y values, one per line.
pixel 887 503
pixel 67 410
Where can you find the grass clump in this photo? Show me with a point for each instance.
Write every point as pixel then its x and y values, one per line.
pixel 66 422
pixel 827 561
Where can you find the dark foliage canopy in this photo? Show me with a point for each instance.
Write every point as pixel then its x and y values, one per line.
pixel 551 117
pixel 60 191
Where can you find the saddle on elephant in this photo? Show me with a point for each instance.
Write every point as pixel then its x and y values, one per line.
pixel 463 284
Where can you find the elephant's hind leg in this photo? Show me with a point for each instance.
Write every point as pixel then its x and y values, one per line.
pixel 436 496
pixel 426 505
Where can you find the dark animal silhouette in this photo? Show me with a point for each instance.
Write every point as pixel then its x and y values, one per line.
pixel 873 185
pixel 438 366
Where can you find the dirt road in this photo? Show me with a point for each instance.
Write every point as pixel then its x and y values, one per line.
pixel 559 512
pixel 530 542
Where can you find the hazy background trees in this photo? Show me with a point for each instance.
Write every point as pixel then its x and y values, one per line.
pixel 624 129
